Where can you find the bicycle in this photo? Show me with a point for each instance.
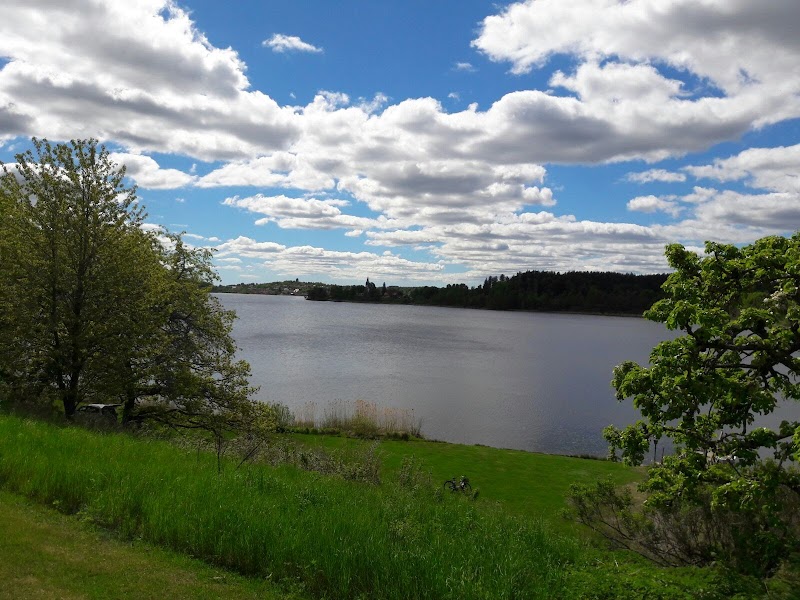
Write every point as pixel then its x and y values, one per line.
pixel 461 486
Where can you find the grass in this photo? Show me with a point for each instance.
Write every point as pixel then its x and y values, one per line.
pixel 360 418
pixel 525 483
pixel 332 537
pixel 44 555
pixel 314 535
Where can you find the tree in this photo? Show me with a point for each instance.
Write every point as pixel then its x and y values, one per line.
pixel 10 242
pixel 182 370
pixel 98 309
pixel 738 310
pixel 72 217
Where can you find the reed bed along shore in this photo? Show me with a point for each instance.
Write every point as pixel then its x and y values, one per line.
pixel 334 538
pixel 359 417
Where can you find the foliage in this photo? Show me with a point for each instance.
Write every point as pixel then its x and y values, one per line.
pixel 282 414
pixel 739 312
pixel 369 292
pixel 275 288
pixel 546 291
pixel 617 576
pixel 74 248
pixel 318 293
pixel 255 443
pixel 97 309
pixel 187 375
pixel 353 464
pixel 675 535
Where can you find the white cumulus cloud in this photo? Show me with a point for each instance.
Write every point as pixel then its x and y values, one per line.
pixel 138 73
pixel 655 175
pixel 644 80
pixel 289 43
pixel 650 204
pixel 776 169
pixel 147 174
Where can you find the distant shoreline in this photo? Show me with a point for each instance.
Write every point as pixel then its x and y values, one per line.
pixel 576 292
pixel 514 310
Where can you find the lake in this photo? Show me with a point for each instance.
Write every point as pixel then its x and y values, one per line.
pixel 530 381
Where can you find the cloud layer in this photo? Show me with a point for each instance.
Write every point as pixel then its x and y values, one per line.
pixel 646 81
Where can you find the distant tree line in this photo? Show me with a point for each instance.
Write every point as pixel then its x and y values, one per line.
pixel 575 291
pixel 369 292
pixel 293 287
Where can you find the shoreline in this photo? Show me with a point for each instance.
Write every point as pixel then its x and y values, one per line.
pixel 499 310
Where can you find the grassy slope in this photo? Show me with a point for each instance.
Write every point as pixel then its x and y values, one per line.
pixel 525 483
pixel 45 554
pixel 335 538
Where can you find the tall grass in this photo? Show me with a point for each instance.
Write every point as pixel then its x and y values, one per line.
pixel 337 538
pixel 361 418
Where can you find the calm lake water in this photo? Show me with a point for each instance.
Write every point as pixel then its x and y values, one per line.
pixel 530 381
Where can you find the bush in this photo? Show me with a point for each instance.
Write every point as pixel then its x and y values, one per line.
pixel 283 416
pixel 750 541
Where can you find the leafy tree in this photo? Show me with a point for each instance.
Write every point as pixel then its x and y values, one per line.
pixel 182 370
pixel 72 217
pixel 737 360
pixel 96 309
pixel 10 242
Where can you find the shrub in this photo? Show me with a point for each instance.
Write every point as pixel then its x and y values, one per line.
pixel 750 540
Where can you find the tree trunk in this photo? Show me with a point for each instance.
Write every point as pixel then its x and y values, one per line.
pixel 69 397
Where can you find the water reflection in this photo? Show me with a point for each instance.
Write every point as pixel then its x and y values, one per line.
pixel 535 382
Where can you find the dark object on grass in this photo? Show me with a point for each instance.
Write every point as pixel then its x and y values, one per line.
pixel 107 411
pixel 98 412
pixel 461 486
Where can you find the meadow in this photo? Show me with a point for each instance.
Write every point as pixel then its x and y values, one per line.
pixel 45 554
pixel 333 538
pixel 524 483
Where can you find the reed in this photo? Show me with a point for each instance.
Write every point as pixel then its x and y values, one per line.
pixel 306 415
pixel 335 538
pixel 361 418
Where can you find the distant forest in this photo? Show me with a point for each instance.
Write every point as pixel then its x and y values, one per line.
pixel 576 291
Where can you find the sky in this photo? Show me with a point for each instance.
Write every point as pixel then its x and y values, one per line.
pixel 422 142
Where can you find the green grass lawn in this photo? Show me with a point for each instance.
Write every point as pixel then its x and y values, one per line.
pixel 335 538
pixel 320 535
pixel 525 483
pixel 45 554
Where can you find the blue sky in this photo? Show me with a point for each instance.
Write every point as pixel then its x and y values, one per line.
pixel 424 142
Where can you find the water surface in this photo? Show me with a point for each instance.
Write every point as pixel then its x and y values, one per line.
pixel 531 381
